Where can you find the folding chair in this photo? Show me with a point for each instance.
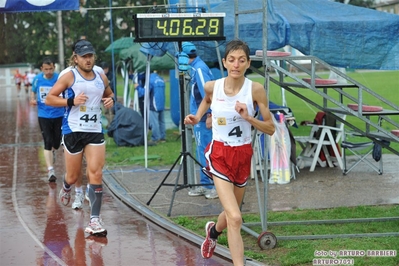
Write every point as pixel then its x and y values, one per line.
pixel 356 148
pixel 303 141
pixel 322 142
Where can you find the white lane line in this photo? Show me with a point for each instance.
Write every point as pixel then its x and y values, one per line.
pixel 16 208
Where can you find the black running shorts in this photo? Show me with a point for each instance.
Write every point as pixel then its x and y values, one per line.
pixel 51 132
pixel 76 141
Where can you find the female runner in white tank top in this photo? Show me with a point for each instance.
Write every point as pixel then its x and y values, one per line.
pixel 233 101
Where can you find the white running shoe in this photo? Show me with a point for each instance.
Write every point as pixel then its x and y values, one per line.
pixel 95 227
pixel 51 176
pixel 211 194
pixel 78 202
pixel 198 191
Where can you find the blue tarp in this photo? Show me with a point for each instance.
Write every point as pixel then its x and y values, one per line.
pixel 342 35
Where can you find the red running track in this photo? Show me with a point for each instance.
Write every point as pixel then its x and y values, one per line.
pixel 37 230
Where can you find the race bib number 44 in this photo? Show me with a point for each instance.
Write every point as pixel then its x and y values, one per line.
pixel 89 117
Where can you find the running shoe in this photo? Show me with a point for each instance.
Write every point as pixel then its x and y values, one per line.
pixel 211 194
pixel 198 191
pixel 78 202
pixel 209 244
pixel 65 196
pixel 95 227
pixel 51 176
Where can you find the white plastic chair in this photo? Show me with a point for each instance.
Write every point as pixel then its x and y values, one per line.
pixel 319 139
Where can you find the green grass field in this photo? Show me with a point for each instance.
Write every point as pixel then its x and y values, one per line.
pixel 302 252
pixel 385 83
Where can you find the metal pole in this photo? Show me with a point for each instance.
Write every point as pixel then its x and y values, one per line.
pixel 61 59
pixel 266 142
pixel 146 106
pixel 182 125
pixel 236 19
pixel 111 33
pixel 216 46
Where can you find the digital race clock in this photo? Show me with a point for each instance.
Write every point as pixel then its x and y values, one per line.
pixel 171 27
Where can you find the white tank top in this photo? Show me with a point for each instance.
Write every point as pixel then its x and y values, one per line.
pixel 85 117
pixel 227 125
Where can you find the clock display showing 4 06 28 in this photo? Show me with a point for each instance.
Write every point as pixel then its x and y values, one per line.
pixel 173 27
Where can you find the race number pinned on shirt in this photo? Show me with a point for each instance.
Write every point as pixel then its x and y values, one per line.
pixel 90 117
pixel 43 92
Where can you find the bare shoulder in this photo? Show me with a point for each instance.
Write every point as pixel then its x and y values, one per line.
pixel 258 89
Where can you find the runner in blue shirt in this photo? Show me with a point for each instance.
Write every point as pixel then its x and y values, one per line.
pixel 50 118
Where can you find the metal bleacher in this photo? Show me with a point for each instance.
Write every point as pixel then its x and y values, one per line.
pixel 333 98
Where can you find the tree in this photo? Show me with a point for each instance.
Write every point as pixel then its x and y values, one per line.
pixel 27 37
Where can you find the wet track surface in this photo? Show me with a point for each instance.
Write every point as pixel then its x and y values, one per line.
pixel 36 229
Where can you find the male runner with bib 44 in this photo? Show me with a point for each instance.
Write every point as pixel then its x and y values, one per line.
pixel 84 92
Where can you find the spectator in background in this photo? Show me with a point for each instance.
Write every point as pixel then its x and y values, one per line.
pixel 157 107
pixel 156 103
pixel 200 74
pixel 110 75
pixel 139 86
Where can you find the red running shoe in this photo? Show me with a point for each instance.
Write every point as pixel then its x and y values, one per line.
pixel 209 244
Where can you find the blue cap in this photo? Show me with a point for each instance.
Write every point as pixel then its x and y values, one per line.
pixel 189 48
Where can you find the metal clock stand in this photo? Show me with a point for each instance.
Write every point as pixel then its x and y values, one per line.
pixel 178 27
pixel 184 154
